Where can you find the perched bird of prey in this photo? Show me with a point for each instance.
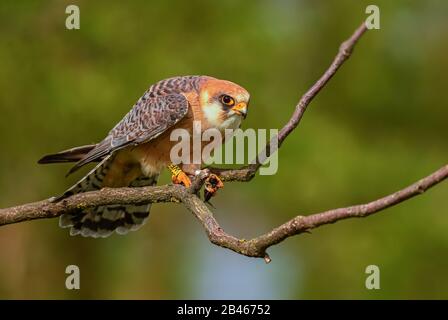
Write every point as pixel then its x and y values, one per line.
pixel 138 148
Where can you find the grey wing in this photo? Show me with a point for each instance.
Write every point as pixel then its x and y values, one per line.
pixel 147 120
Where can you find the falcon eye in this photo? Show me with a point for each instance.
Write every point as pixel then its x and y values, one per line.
pixel 227 100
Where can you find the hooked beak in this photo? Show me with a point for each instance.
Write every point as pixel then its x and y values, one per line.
pixel 241 109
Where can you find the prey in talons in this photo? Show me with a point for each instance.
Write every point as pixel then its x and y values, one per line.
pixel 211 185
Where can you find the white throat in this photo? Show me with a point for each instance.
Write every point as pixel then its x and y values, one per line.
pixel 212 114
pixel 232 122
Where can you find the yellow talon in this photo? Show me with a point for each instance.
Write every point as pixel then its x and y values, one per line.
pixel 178 176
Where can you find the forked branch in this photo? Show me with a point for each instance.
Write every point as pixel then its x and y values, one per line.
pixel 188 197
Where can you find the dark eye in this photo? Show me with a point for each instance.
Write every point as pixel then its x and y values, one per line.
pixel 227 100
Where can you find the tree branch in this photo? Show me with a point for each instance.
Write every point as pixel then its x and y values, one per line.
pixel 175 193
pixel 255 247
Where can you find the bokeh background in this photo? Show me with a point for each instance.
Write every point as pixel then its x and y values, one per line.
pixel 379 125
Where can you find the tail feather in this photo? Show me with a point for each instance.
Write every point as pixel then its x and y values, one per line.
pixel 71 155
pixel 102 221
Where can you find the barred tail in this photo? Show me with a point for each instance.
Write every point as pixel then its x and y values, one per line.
pixel 102 221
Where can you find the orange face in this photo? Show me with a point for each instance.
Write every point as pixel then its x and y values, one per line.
pixel 223 103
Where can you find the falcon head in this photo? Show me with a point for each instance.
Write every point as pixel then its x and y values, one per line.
pixel 223 103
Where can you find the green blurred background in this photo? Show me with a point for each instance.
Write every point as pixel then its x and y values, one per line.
pixel 379 125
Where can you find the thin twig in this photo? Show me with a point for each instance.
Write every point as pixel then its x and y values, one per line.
pixel 246 173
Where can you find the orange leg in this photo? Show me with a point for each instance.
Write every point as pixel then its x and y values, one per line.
pixel 178 176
